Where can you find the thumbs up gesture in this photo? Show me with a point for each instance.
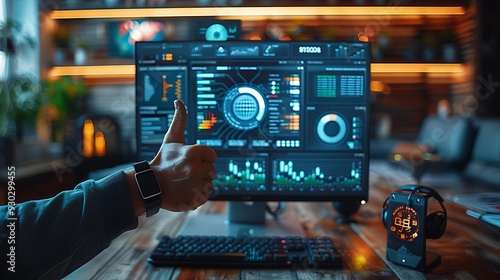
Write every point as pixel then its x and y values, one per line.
pixel 184 172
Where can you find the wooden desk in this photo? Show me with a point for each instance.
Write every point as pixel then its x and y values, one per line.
pixel 468 249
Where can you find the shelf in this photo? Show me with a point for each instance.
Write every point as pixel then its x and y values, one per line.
pixel 258 12
pixel 397 81
pixel 126 73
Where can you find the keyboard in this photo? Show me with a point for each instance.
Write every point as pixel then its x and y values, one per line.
pixel 246 252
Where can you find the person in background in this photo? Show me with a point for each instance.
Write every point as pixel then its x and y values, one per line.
pixel 55 236
pixel 443 109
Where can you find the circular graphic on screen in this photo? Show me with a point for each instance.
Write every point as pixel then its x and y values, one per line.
pixel 331 128
pixel 216 32
pixel 244 107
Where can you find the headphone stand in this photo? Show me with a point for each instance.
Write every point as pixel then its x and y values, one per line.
pixel 408 225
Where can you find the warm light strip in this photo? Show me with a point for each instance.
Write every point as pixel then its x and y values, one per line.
pixel 101 71
pixel 128 71
pixel 257 11
pixel 417 68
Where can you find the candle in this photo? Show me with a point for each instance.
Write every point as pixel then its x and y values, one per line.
pixel 88 139
pixel 100 144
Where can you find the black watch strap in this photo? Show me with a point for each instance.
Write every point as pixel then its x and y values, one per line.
pixel 148 186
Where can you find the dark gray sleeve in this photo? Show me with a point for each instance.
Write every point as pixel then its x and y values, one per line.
pixel 55 236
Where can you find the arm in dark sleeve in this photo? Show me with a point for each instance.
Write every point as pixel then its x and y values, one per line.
pixel 56 236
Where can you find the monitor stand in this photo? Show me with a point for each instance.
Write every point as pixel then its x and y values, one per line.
pixel 346 209
pixel 243 219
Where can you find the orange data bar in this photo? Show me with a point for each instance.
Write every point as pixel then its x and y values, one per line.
pixel 258 12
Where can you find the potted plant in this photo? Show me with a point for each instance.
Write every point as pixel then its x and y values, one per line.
pixel 19 103
pixel 63 99
pixel 13 36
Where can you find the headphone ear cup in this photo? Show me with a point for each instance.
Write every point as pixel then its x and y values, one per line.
pixel 383 214
pixel 436 225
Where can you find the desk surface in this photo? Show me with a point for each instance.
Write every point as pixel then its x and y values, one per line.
pixel 468 249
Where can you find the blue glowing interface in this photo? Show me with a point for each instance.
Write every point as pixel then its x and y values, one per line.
pixel 289 120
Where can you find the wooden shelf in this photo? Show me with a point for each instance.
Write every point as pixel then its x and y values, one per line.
pixel 125 73
pixel 414 85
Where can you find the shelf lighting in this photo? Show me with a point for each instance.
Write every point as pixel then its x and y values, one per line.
pixel 128 71
pixel 258 12
pixel 100 71
pixel 450 68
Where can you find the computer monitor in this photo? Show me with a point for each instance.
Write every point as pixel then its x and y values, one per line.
pixel 288 120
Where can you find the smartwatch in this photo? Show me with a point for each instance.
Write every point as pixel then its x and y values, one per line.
pixel 148 187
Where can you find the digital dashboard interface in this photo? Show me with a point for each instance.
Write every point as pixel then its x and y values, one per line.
pixel 288 120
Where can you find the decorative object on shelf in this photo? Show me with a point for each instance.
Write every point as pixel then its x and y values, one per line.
pixel 122 35
pixel 380 45
pixel 449 45
pixel 81 47
pixel 429 46
pixel 61 40
pixel 111 3
pixel 64 99
pixel 411 52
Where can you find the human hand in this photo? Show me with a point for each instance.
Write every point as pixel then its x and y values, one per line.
pixel 184 172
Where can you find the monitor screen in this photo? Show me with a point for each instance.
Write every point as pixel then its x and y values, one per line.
pixel 289 120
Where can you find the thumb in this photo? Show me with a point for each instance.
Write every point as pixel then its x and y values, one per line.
pixel 175 133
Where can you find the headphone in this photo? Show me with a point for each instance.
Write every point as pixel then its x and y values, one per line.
pixel 436 221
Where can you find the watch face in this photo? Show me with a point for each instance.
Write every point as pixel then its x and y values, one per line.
pixel 404 223
pixel 148 184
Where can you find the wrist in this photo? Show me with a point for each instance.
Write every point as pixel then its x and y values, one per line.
pixel 149 187
pixel 137 201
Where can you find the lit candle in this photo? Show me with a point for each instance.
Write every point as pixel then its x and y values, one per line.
pixel 88 139
pixel 100 144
